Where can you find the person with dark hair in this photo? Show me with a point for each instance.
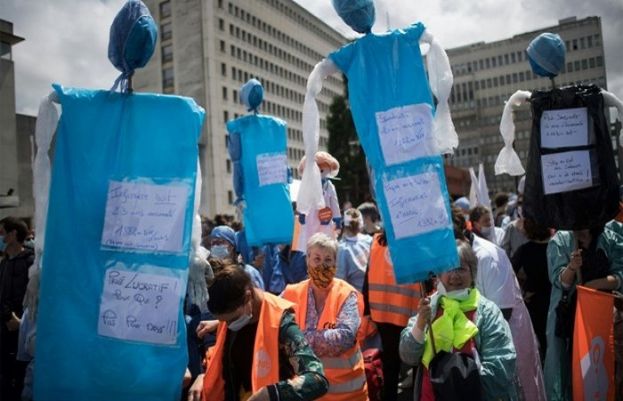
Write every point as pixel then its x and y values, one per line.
pixel 389 305
pixel 353 250
pixel 589 257
pixel 371 218
pixel 482 225
pixel 13 282
pixel 260 352
pixel 500 200
pixel 530 263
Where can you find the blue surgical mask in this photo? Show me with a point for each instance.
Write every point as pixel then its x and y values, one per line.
pixel 219 251
pixel 2 243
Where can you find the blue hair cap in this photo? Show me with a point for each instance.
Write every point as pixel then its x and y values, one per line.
pixel 546 54
pixel 252 94
pixel 358 14
pixel 133 36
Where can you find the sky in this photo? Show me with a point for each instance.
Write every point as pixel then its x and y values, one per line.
pixel 66 40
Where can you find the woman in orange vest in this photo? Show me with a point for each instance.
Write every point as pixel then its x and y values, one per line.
pixel 328 310
pixel 260 353
pixel 390 306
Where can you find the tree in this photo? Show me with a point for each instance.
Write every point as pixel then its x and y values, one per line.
pixel 343 144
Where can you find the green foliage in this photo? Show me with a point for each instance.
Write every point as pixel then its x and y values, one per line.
pixel 343 144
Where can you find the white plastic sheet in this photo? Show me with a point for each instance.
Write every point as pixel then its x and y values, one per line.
pixel 611 100
pixel 508 161
pixel 441 80
pixel 47 119
pixel 199 269
pixel 310 194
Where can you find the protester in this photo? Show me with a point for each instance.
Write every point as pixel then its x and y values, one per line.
pixel 329 313
pixel 495 279
pixel 593 258
pixel 463 321
pixel 13 282
pixel 272 361
pixel 500 201
pixel 390 306
pixel 482 225
pixel 353 251
pixel 371 218
pixel 223 247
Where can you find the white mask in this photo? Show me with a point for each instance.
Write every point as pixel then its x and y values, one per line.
pixel 486 231
pixel 458 295
pixel 239 323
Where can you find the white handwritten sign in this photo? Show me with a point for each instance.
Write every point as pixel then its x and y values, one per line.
pixel 405 133
pixel 272 168
pixel 415 204
pixel 567 171
pixel 139 306
pixel 145 216
pixel 564 128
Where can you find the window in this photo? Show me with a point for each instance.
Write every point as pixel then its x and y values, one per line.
pixel 223 46
pixel 480 64
pixel 167 78
pixel 506 60
pixel 589 41
pixel 487 63
pixel 513 58
pixel 519 56
pixel 167 53
pixel 575 44
pixel 515 78
pixel 221 24
pixel 5 51
pixel 220 3
pixel 591 62
pixel 165 9
pixel 224 93
pixel 585 64
pixel 569 67
pixel 495 81
pixel 225 116
pixel 582 43
pixel 600 61
pixel 576 65
pixel 521 77
pixel 224 69
pixel 493 62
pixel 230 197
pixel 166 31
pixel 228 165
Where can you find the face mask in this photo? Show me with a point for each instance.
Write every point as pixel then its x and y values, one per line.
pixel 219 251
pixel 29 243
pixel 486 231
pixel 239 323
pixel 459 295
pixel 322 275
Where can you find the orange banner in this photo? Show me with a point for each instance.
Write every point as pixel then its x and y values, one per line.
pixel 593 347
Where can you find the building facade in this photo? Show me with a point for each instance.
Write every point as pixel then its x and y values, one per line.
pixel 16 135
pixel 487 74
pixel 207 49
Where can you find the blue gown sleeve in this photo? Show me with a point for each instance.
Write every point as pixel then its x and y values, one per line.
pixel 413 33
pixel 343 57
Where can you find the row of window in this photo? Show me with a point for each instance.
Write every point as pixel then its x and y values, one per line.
pixel 268 29
pixel 259 62
pixel 269 87
pixel 166 50
pixel 520 56
pixel 462 92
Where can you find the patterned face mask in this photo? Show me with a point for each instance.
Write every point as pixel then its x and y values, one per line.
pixel 322 275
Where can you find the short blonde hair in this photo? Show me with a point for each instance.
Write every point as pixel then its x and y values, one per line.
pixel 323 241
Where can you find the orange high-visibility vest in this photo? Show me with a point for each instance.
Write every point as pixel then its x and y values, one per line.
pixel 346 373
pixel 389 302
pixel 265 367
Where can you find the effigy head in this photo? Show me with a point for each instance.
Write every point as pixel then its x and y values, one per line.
pixel 252 94
pixel 358 14
pixel 546 54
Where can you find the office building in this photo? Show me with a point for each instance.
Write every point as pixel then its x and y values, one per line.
pixel 207 49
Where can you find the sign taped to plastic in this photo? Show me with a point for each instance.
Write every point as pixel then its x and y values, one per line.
pixel 566 171
pixel 272 169
pixel 405 133
pixel 139 306
pixel 415 204
pixel 147 217
pixel 564 128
